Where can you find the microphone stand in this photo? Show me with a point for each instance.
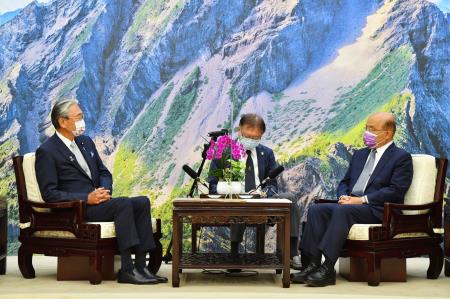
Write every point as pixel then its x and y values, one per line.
pixel 194 186
pixel 168 256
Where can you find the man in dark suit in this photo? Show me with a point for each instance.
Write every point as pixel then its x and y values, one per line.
pixel 260 162
pixel 379 173
pixel 68 167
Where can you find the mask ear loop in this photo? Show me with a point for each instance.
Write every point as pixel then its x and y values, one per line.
pixel 377 136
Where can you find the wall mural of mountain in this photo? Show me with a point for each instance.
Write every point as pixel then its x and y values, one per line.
pixel 154 76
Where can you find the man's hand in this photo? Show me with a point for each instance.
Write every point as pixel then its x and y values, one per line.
pixel 350 200
pixel 259 192
pixel 97 196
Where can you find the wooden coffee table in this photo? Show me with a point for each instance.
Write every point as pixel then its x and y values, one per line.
pixel 231 211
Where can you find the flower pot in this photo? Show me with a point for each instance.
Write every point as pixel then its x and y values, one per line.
pixel 230 187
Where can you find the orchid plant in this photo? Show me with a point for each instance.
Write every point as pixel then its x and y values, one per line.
pixel 230 154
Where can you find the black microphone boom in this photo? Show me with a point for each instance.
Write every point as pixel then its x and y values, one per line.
pixel 191 172
pixel 272 174
pixel 216 134
pixel 276 172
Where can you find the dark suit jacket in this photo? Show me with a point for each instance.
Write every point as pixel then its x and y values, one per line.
pixel 389 181
pixel 266 162
pixel 59 175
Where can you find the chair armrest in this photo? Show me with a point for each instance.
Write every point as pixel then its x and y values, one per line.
pixel 396 222
pixel 66 216
pixel 57 205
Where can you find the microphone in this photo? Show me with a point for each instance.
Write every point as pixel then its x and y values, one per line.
pixel 191 172
pixel 272 174
pixel 216 134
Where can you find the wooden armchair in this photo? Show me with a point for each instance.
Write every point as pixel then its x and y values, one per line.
pixel 408 230
pixel 60 229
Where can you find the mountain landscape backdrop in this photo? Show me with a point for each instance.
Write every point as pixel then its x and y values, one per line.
pixel 154 76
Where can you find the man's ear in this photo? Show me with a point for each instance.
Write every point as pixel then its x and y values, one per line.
pixel 391 134
pixel 62 122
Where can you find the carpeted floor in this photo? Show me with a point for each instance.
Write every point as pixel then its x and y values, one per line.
pixel 196 285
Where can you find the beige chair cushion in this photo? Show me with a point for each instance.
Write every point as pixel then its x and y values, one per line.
pixel 423 183
pixel 107 230
pixel 361 232
pixel 34 194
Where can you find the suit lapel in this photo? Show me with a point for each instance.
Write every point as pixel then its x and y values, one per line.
pixel 385 158
pixel 67 153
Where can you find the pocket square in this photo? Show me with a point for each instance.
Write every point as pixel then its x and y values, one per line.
pixel 92 154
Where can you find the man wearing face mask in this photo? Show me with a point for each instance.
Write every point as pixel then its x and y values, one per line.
pixel 68 168
pixel 260 161
pixel 377 174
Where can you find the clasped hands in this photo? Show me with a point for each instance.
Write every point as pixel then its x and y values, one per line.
pixel 350 200
pixel 98 196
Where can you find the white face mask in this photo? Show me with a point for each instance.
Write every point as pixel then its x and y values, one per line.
pixel 80 127
pixel 249 143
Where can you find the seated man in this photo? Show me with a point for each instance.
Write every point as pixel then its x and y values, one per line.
pixel 260 161
pixel 68 167
pixel 379 173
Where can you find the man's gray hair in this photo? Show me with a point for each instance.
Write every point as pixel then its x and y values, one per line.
pixel 61 109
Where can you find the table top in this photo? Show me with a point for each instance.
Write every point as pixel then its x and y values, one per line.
pixel 232 202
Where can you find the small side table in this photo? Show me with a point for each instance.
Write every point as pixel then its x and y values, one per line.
pixel 447 236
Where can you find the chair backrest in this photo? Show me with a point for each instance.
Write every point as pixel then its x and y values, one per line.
pixel 423 184
pixel 27 186
pixel 427 184
pixel 31 184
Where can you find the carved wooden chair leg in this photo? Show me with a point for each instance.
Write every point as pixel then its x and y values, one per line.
pixel 95 267
pixel 373 270
pixel 25 260
pixel 3 266
pixel 447 268
pixel 436 263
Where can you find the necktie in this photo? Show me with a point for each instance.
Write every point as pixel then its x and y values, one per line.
pixel 250 183
pixel 80 159
pixel 361 183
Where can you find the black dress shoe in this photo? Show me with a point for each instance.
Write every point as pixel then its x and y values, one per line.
pixel 134 277
pixel 147 273
pixel 300 277
pixel 324 276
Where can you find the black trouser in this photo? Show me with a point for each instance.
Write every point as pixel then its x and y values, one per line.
pixel 132 220
pixel 327 227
